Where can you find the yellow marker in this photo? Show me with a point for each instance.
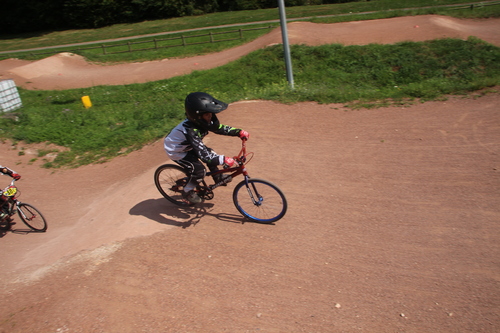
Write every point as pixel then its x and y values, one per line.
pixel 86 102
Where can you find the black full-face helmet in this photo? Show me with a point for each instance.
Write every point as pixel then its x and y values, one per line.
pixel 198 103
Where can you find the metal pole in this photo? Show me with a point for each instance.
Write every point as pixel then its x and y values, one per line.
pixel 286 47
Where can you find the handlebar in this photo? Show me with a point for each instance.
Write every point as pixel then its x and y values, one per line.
pixel 243 150
pixel 11 184
pixel 241 158
pixel 242 155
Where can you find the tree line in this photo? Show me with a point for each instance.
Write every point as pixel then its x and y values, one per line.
pixel 22 16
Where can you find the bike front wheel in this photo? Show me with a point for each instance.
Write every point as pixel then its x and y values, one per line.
pixel 32 217
pixel 170 181
pixel 259 200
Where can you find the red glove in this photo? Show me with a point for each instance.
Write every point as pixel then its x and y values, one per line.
pixel 244 135
pixel 230 162
pixel 16 176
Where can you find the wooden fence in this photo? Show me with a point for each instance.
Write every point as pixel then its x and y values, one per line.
pixel 159 43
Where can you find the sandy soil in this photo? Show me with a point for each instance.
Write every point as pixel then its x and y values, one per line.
pixel 392 223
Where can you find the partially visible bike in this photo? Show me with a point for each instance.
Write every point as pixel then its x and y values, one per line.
pixel 27 213
pixel 256 199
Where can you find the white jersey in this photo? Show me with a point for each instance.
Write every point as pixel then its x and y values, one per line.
pixel 186 137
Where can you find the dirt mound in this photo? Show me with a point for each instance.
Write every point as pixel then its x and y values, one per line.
pixel 58 63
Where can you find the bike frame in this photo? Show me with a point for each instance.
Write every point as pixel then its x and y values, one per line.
pixel 236 171
pixel 241 159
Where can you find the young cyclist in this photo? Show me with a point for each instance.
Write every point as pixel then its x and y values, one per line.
pixel 13 174
pixel 184 144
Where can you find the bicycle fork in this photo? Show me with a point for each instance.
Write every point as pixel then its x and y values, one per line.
pixel 21 211
pixel 257 199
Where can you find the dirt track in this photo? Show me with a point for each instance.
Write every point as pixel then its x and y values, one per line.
pixel 392 227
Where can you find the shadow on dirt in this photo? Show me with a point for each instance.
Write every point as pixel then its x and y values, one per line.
pixel 160 209
pixel 11 227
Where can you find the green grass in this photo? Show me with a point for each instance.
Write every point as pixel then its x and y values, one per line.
pixel 124 118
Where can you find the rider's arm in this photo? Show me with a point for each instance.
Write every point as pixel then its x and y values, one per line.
pixel 204 153
pixel 10 172
pixel 231 131
pixel 225 130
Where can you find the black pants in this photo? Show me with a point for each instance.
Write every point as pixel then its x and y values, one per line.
pixel 195 167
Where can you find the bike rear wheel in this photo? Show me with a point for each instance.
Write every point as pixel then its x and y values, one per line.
pixel 259 200
pixel 31 217
pixel 170 180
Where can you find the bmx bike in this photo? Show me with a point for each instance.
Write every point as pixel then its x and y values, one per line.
pixel 28 214
pixel 256 199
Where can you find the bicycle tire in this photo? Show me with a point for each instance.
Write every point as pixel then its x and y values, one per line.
pixel 32 217
pixel 271 205
pixel 166 181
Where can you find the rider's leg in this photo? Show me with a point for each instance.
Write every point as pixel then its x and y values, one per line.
pixel 196 171
pixel 218 177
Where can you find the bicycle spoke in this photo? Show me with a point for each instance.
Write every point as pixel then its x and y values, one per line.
pixel 261 201
pixel 32 217
pixel 170 181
